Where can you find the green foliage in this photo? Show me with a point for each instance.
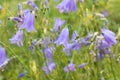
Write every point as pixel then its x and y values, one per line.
pixel 83 21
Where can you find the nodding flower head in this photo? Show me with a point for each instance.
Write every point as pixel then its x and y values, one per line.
pixel 17 38
pixel 3 59
pixel 48 54
pixel 49 68
pixel 58 23
pixel 28 21
pixel 109 36
pixel 63 38
pixel 69 67
pixel 67 6
pixel 72 46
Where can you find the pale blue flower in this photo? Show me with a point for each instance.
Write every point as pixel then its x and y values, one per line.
pixel 3 58
pixel 17 38
pixel 67 6
pixel 109 36
pixel 69 67
pixel 63 38
pixel 28 21
pixel 58 23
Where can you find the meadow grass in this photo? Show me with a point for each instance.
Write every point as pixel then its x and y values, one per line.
pixel 83 21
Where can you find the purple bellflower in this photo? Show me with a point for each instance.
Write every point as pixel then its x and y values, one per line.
pixel 3 59
pixel 69 67
pixel 63 38
pixel 104 43
pixel 48 54
pixel 72 46
pixel 28 21
pixel 17 38
pixel 49 68
pixel 67 6
pixel 58 23
pixel 49 61
pixel 109 36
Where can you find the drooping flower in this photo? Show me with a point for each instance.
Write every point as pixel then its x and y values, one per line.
pixel 49 68
pixel 69 67
pixel 63 38
pixel 67 6
pixel 86 40
pixel 102 44
pixel 48 54
pixel 17 38
pixel 109 36
pixel 28 21
pixel 50 65
pixel 58 23
pixel 72 46
pixel 3 59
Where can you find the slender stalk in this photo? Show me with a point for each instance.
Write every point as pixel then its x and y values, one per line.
pixel 111 65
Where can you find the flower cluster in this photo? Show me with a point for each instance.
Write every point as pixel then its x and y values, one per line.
pixel 102 41
pixel 25 20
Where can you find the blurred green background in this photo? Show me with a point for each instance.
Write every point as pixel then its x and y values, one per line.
pixel 82 21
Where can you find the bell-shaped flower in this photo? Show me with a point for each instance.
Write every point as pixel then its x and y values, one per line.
pixel 49 68
pixel 58 23
pixel 72 46
pixel 48 54
pixel 63 38
pixel 109 36
pixel 3 58
pixel 17 38
pixel 69 67
pixel 28 21
pixel 102 44
pixel 67 6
